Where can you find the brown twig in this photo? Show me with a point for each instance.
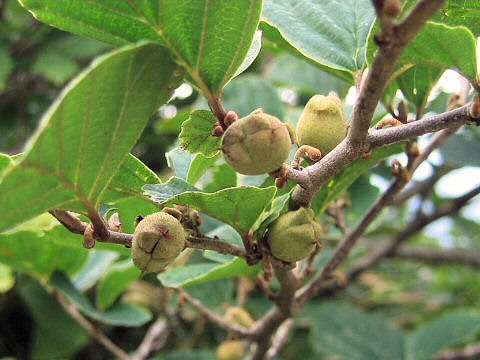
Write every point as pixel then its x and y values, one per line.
pixel 280 339
pixel 438 256
pixel 223 247
pixel 96 333
pixel 215 318
pixel 77 226
pixel 154 340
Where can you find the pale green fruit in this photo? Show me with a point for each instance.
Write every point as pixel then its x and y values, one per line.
pixel 238 316
pixel 231 350
pixel 294 235
pixel 322 123
pixel 157 241
pixel 256 144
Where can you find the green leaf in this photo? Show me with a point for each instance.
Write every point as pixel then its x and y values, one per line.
pixel 332 33
pixel 277 207
pixel 209 38
pixel 5 161
pixel 196 274
pixel 439 46
pixel 161 193
pixel 129 180
pixel 6 66
pixel 87 133
pixel 238 207
pixel 289 70
pixel 179 161
pixel 362 195
pixel 347 176
pixel 250 92
pixel 97 264
pixel 348 333
pixel 59 341
pixel 120 314
pixel 39 254
pixel 199 166
pixel 116 280
pixel 54 66
pixel 130 208
pixel 446 331
pixel 273 34
pixel 223 176
pixel 7 278
pixel 459 148
pixel 416 84
pixel 196 135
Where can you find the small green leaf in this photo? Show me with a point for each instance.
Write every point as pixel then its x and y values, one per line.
pixel 116 280
pixel 344 331
pixel 347 176
pixel 332 33
pixel 196 274
pixel 120 314
pixel 444 332
pixel 196 135
pixel 277 207
pixel 87 133
pixel 238 207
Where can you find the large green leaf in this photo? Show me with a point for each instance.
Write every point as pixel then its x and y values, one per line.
pixel 5 160
pixel 39 254
pixel 199 167
pixel 116 280
pixel 333 33
pixel 195 274
pixel 347 176
pixel 129 180
pixel 289 70
pixel 121 314
pixel 444 332
pixel 238 207
pixel 196 135
pixel 87 133
pixel 439 46
pixel 209 38
pixel 348 333
pixel 250 92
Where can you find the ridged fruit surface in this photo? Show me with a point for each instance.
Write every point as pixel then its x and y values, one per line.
pixel 158 239
pixel 294 235
pixel 322 123
pixel 231 350
pixel 256 144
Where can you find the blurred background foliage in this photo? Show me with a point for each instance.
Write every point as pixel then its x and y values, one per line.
pixel 36 61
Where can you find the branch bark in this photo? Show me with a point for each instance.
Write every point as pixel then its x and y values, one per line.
pixel 438 256
pixel 466 353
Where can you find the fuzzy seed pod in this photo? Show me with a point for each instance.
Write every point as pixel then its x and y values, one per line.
pixel 157 241
pixel 294 235
pixel 231 350
pixel 322 123
pixel 256 144
pixel 238 316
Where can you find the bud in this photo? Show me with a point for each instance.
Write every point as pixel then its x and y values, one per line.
pixel 322 123
pixel 231 350
pixel 158 239
pixel 294 235
pixel 256 144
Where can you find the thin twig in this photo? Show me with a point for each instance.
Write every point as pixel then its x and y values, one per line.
pixel 438 256
pixel 97 334
pixel 207 243
pixel 77 226
pixel 280 339
pixel 215 318
pixel 153 340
